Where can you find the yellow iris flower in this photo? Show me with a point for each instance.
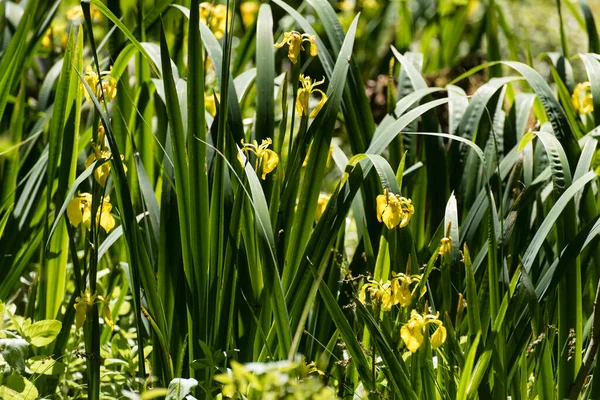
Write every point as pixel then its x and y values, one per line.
pixel 267 159
pixel 80 210
pixel 294 40
pixel 582 98
pixel 108 89
pixel 249 10
pixel 215 17
pixel 395 291
pixel 375 291
pixel 308 87
pixel 401 288
pixel 394 210
pixel 84 303
pixel 412 332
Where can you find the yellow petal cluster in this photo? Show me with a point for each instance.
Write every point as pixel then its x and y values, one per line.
pixel 308 87
pixel 101 152
pixel 75 14
pixel 399 290
pixel 394 210
pixel 84 303
pixel 445 246
pixel 215 17
pixel 249 10
pixel 80 210
pixel 582 98
pixel 103 87
pixel 413 331
pixel 266 158
pixel 294 40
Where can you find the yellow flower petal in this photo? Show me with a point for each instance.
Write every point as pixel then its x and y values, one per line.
pixel 107 316
pixel 269 162
pixel 248 10
pixel 75 211
pixel 319 106
pixel 412 332
pixel 322 205
pixel 439 337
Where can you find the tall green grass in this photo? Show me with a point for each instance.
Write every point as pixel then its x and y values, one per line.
pixel 227 274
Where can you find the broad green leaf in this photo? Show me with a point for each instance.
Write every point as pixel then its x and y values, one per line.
pixel 42 333
pixel 181 389
pixel 43 365
pixel 16 387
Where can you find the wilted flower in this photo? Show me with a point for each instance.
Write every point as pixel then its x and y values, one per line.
pixel 445 245
pixel 394 210
pixel 582 98
pixel 308 87
pixel 294 40
pixel 80 210
pixel 412 332
pixel 267 159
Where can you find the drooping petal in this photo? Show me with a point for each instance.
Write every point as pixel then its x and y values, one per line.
pixel 75 211
pixel 381 205
pixel 270 159
pixel 439 337
pixel 295 46
pixel 107 221
pixel 302 102
pixel 320 105
pixel 412 334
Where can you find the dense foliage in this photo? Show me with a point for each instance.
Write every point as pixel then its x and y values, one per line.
pixel 304 199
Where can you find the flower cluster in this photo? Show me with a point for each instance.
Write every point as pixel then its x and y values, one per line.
pixel 414 330
pixel 266 159
pixel 401 289
pixel 103 87
pixel 308 87
pixel 215 17
pixel 394 210
pixel 80 210
pixel 582 98
pixel 294 40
